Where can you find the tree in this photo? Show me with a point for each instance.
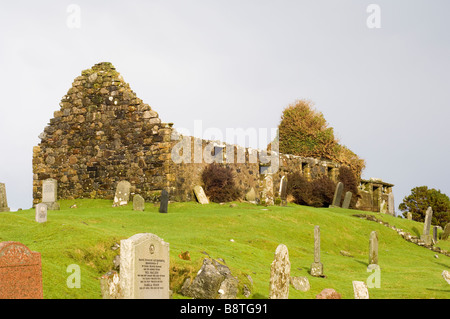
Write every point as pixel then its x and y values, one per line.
pixel 420 199
pixel 303 131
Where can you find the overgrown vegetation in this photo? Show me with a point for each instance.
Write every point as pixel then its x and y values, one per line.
pixel 420 199
pixel 304 131
pixel 348 178
pixel 317 193
pixel 219 183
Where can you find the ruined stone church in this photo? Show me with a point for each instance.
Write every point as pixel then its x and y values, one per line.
pixel 103 133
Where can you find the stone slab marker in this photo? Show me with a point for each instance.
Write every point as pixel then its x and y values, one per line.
pixel 283 190
pixel 164 204
pixel 280 272
pixel 435 234
pixel 200 195
pixel 426 237
pixel 316 266
pixel 266 187
pixel 360 290
pixel 446 232
pixel 138 203
pixel 41 213
pixel 391 207
pixel 144 267
pixel 50 193
pixel 373 248
pixel 337 195
pixel 122 195
pixel 347 199
pixel 20 272
pixel 3 202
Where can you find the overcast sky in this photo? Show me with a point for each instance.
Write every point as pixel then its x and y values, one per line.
pixel 238 64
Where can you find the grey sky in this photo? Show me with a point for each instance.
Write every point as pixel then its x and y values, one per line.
pixel 238 64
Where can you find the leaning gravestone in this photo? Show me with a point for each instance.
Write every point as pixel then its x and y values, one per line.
pixel 280 272
pixel 373 248
pixel 122 195
pixel 446 232
pixel 3 202
pixel 138 203
pixel 50 193
pixel 164 204
pixel 200 195
pixel 144 267
pixel 347 199
pixel 316 266
pixel 41 213
pixel 426 237
pixel 337 195
pixel 20 272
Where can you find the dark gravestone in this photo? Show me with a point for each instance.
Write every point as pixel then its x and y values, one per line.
pixel 163 206
pixel 337 195
pixel 347 199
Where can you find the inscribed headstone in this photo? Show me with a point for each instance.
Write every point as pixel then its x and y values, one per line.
pixel 3 201
pixel 316 266
pixel 280 271
pixel 20 272
pixel 200 195
pixel 138 202
pixel 164 204
pixel 144 267
pixel 50 193
pixel 373 248
pixel 41 213
pixel 347 199
pixel 337 195
pixel 122 195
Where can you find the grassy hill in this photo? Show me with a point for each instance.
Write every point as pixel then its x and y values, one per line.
pixel 85 235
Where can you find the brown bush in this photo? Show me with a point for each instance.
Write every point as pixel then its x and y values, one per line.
pixel 219 183
pixel 347 177
pixel 317 193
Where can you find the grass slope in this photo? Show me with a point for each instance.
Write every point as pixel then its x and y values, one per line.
pixel 84 236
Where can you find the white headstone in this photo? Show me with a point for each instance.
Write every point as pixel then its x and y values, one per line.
pixel 122 195
pixel 49 191
pixel 144 267
pixel 41 213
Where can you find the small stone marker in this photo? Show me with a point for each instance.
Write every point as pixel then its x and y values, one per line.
pixel 409 215
pixel 435 234
pixel 446 275
pixel 138 203
pixel 144 267
pixel 373 248
pixel 316 266
pixel 391 207
pixel 360 290
pixel 50 193
pixel 164 204
pixel 426 237
pixel 283 191
pixel 122 195
pixel 337 195
pixel 200 195
pixel 266 186
pixel 110 285
pixel 347 199
pixel 3 202
pixel 280 271
pixel 300 283
pixel 446 232
pixel 251 196
pixel 20 272
pixel 41 213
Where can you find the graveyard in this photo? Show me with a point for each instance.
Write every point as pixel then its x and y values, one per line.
pixel 243 236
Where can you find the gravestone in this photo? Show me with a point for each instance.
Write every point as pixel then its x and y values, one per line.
pixel 41 213
pixel 20 272
pixel 360 290
pixel 435 233
pixel 164 204
pixel 373 248
pixel 266 187
pixel 347 199
pixel 3 202
pixel 426 237
pixel 50 193
pixel 144 267
pixel 251 196
pixel 283 190
pixel 337 195
pixel 391 207
pixel 138 203
pixel 446 232
pixel 409 215
pixel 122 195
pixel 280 271
pixel 300 283
pixel 316 266
pixel 200 195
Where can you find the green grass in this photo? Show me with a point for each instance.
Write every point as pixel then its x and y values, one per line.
pixel 84 236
